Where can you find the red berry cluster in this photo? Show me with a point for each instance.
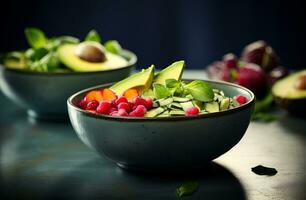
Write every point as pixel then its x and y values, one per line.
pixel 119 106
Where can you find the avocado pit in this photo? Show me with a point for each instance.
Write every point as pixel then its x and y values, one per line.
pixel 300 83
pixel 91 52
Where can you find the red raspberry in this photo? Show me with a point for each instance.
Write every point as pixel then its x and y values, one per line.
pixel 92 105
pixel 103 107
pixel 240 99
pixel 149 103
pixel 125 106
pixel 122 112
pixel 82 104
pixel 192 111
pixel 120 100
pixel 139 111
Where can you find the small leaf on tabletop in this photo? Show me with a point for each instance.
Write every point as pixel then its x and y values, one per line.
pixel 187 189
pixel 262 170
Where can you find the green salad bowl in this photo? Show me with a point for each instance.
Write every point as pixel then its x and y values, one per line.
pixel 44 94
pixel 163 143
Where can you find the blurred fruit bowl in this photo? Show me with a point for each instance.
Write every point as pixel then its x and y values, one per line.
pixel 257 69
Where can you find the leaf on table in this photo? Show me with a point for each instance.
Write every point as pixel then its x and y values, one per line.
pixel 262 170
pixel 264 117
pixel 187 189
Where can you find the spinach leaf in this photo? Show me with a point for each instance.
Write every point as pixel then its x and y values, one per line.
pixel 187 189
pixel 113 46
pixel 35 37
pixel 93 36
pixel 200 91
pixel 160 91
pixel 35 54
pixel 264 116
pixel 262 170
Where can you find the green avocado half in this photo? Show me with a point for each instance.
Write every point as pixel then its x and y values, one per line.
pixel 70 59
pixel 288 95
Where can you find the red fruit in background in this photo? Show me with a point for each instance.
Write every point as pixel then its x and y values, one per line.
pixel 253 77
pixel 262 54
pixel 122 112
pixel 192 111
pixel 103 107
pixel 120 100
pixel 218 71
pixel 125 106
pixel 230 61
pixel 241 99
pixel 276 74
pixel 92 105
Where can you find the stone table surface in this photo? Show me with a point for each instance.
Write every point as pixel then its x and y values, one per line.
pixel 46 160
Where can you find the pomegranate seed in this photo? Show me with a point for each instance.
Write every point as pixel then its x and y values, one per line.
pixel 192 111
pixel 122 112
pixel 111 110
pixel 139 111
pixel 149 103
pixel 131 105
pixel 92 105
pixel 115 113
pixel 120 100
pixel 139 101
pixel 82 104
pixel 103 107
pixel 240 99
pixel 125 106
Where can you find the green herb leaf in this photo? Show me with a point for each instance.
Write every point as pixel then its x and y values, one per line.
pixel 264 104
pixel 160 91
pixel 93 36
pixel 172 83
pixel 262 170
pixel 187 189
pixel 35 54
pixel 35 37
pixel 200 90
pixel 113 46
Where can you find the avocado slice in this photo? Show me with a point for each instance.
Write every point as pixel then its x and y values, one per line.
pixel 289 96
pixel 69 58
pixel 141 80
pixel 174 71
pixel 224 104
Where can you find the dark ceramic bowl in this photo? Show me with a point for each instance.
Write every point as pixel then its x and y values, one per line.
pixel 44 95
pixel 158 143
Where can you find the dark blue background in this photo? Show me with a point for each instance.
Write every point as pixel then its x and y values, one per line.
pixel 164 31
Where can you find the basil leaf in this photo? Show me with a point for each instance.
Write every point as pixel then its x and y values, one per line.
pixel 187 189
pixel 200 91
pixel 35 37
pixel 264 105
pixel 93 36
pixel 262 170
pixel 160 91
pixel 35 54
pixel 172 83
pixel 65 39
pixel 113 46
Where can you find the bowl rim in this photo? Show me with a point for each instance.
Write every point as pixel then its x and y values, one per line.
pixel 131 62
pixel 247 105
